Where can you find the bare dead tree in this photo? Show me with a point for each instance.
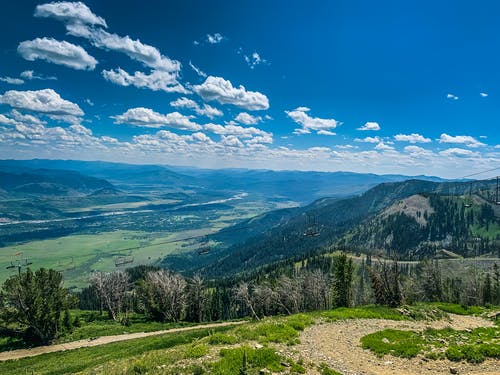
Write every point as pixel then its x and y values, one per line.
pixel 316 290
pixel 196 298
pixel 241 292
pixel 164 295
pixel 112 289
pixel 289 294
pixel 264 299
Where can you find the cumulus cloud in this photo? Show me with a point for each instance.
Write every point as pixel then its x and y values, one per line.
pixel 383 147
pixel 157 81
pixel 451 96
pixel 12 81
pixel 197 70
pixel 239 131
pixel 326 132
pixel 248 119
pixel 368 140
pixel 81 22
pixel 30 75
pixel 26 118
pixel 135 49
pixel 483 94
pixel 222 91
pixel 417 151
pixel 57 52
pixel 458 152
pixel 206 110
pixel 370 126
pixel 146 117
pixel 308 123
pixel 460 139
pixel 231 141
pixel 412 138
pixel 45 101
pixel 69 12
pixel 215 38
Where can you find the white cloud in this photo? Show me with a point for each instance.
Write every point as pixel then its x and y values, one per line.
pixel 206 110
pixel 451 96
pixel 308 123
pixel 483 94
pixel 197 70
pixel 221 90
pixel 45 101
pixel 383 147
pixel 30 75
pixel 89 102
pixel 146 117
pixel 368 140
pixel 215 38
pixel 254 59
pixel 248 119
pixel 370 126
pixel 135 49
pixel 239 131
pixel 417 151
pixel 326 132
pixel 54 51
pixel 231 141
pixel 7 121
pixel 458 152
pixel 157 81
pixel 69 12
pixel 460 139
pixel 12 81
pixel 81 22
pixel 26 118
pixel 412 138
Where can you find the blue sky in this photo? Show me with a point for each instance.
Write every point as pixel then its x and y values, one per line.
pixel 382 87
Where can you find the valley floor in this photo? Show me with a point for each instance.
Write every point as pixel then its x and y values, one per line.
pixel 338 345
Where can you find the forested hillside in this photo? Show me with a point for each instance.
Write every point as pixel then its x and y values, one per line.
pixel 430 225
pixel 324 224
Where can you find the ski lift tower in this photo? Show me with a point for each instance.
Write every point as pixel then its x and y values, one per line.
pixel 20 264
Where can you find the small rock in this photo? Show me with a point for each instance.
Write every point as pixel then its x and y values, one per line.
pixel 385 340
pixel 453 370
pixel 264 371
pixel 285 364
pixel 258 346
pixel 388 363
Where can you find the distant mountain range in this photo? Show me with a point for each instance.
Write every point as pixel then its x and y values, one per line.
pixel 296 186
pixel 50 182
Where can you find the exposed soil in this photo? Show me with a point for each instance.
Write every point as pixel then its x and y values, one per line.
pixel 338 345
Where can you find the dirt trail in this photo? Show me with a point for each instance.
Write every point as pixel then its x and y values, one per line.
pixel 338 345
pixel 22 353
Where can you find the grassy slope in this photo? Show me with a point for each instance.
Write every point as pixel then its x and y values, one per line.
pixel 179 352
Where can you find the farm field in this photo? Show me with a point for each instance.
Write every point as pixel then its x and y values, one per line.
pixel 76 256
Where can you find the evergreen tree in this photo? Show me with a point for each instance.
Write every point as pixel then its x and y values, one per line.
pixel 35 302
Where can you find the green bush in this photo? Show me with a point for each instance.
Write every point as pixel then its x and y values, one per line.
pixel 196 351
pixel 404 344
pixel 222 339
pixel 231 360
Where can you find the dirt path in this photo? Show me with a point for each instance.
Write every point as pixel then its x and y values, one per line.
pixel 22 353
pixel 338 345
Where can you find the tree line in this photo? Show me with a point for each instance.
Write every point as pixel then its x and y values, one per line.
pixel 36 306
